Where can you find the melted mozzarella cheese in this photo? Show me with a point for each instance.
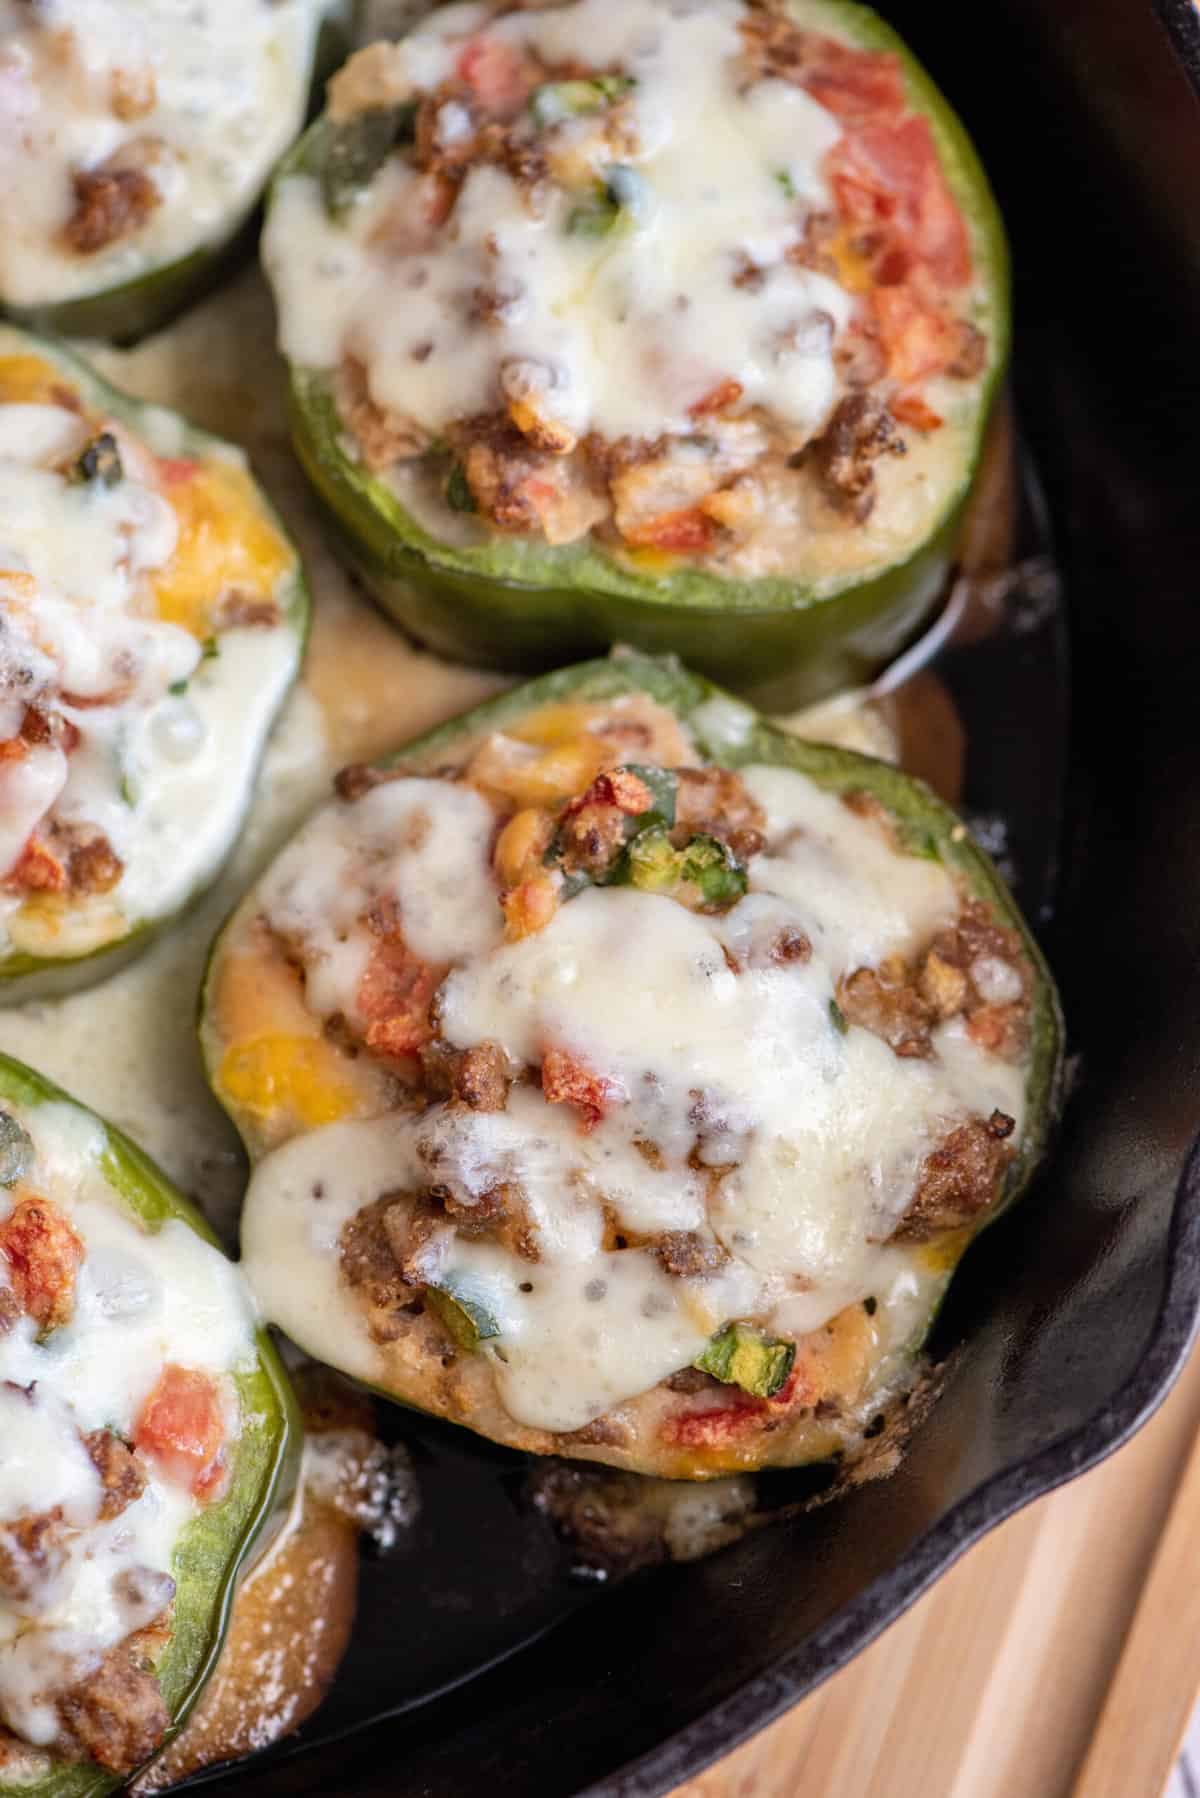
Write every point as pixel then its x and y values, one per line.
pixel 143 1299
pixel 420 843
pixel 622 333
pixel 168 736
pixel 736 1108
pixel 218 88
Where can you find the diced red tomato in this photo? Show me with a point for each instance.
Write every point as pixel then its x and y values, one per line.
pixel 12 749
pixel 724 394
pixel 36 870
pixel 497 75
pixel 717 1425
pixel 394 997
pixel 889 174
pixel 911 409
pixel 42 1253
pixel 855 85
pixel 566 1081
pixel 175 470
pixel 917 340
pixel 619 787
pixel 689 529
pixel 182 1427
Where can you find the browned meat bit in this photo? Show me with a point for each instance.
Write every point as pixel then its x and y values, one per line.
pixel 247 611
pixel 791 945
pixel 865 805
pixel 981 964
pixel 815 248
pixel 520 488
pixel 885 1001
pixel 688 1255
pixel 859 357
pixel 93 866
pixel 133 92
pixel 368 1255
pixel 120 1472
pixel 842 458
pixel 591 839
pixel 972 352
pixel 383 437
pixel 113 199
pixel 717 803
pixel 501 1213
pixel 602 1432
pixel 959 1179
pixel 31 1552
pixel 690 1380
pixel 479 1077
pixel 357 778
pixel 483 1077
pixel 117 1715
pixel 591 831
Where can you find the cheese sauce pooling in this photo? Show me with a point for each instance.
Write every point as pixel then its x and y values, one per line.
pixel 139 1302
pixel 736 1104
pixel 131 136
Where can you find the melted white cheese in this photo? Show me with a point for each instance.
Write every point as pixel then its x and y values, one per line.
pixel 421 843
pixel 625 332
pixel 142 1300
pixel 221 85
pixel 163 775
pixel 714 1056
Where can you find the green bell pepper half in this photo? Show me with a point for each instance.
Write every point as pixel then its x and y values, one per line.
pixel 27 976
pixel 730 734
pixel 218 1544
pixel 513 604
pixel 133 309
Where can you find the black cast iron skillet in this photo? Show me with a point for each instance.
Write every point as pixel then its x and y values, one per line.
pixel 476 1664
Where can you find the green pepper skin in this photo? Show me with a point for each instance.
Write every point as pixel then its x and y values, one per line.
pixel 220 1542
pixel 133 309
pixel 26 976
pixel 730 734
pixel 524 606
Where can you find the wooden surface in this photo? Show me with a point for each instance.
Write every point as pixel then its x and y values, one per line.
pixel 995 1683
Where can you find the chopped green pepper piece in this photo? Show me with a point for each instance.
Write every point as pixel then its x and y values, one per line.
pixel 360 147
pixel 784 180
pixel 741 1356
pixel 559 100
pixel 16 1150
pixel 100 460
pixel 837 1018
pixel 595 216
pixel 704 863
pixel 661 811
pixel 455 1304
pixel 458 493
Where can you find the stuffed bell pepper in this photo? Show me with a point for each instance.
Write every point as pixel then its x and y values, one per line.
pixel 621 321
pixel 152 618
pixel 135 142
pixel 147 1439
pixel 625 1077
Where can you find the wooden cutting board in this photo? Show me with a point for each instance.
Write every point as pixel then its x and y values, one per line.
pixel 993 1685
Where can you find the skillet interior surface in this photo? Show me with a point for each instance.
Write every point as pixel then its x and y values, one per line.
pixel 1069 1318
